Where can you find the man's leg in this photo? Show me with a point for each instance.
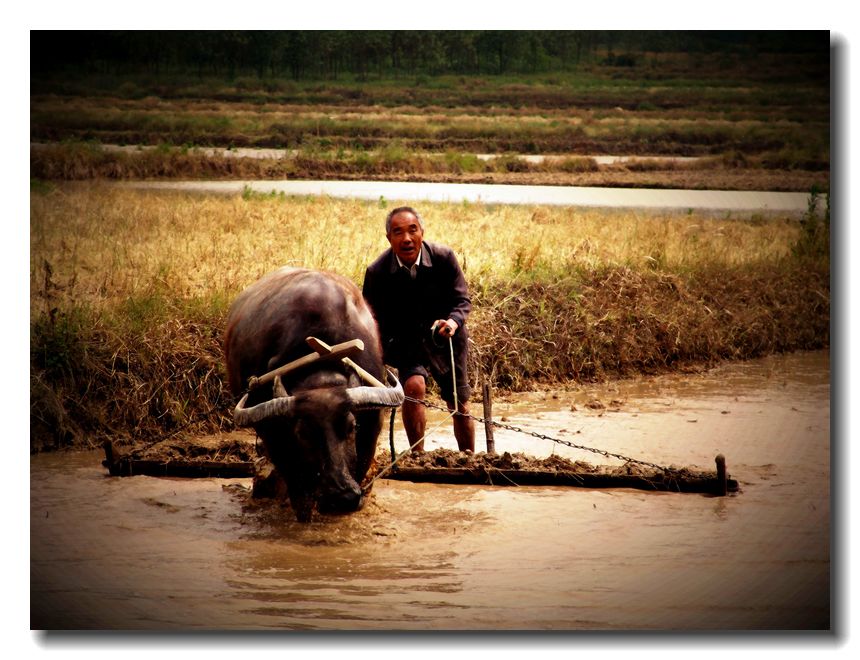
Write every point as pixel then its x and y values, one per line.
pixel 414 414
pixel 464 426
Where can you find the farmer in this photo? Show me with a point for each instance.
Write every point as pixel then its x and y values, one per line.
pixel 418 294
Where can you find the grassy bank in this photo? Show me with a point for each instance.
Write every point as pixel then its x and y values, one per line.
pixel 129 293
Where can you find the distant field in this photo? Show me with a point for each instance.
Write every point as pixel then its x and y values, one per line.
pixel 763 127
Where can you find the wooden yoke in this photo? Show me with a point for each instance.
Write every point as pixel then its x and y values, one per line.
pixel 324 349
pixel 344 350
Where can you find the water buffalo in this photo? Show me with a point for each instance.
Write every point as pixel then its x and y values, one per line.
pixel 318 424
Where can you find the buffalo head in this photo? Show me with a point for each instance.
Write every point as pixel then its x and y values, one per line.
pixel 318 424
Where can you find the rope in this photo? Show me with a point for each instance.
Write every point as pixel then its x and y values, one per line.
pixel 516 429
pixel 541 436
pixel 453 374
pixel 391 432
pixel 394 461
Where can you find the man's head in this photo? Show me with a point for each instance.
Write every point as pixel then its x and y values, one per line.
pixel 405 232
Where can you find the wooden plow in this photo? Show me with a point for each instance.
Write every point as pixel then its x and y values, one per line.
pixel 439 467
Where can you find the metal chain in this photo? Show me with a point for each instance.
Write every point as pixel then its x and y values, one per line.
pixel 541 436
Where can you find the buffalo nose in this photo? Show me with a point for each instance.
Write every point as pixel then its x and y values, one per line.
pixel 342 501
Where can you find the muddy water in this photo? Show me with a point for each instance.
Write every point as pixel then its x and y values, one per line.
pixel 148 553
pixel 720 202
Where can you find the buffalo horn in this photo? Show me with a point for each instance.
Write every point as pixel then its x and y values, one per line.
pixel 377 397
pixel 278 407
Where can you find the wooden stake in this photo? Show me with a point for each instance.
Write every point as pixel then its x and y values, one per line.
pixel 488 414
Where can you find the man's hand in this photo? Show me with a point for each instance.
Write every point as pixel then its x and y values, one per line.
pixel 445 328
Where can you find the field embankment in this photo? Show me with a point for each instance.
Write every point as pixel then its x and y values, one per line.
pixel 129 292
pixel 82 162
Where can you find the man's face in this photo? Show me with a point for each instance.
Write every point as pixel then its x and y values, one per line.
pixel 405 237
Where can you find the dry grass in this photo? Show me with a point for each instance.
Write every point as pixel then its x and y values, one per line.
pixel 105 245
pixel 129 291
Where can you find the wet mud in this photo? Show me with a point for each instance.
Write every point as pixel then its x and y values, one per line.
pixel 144 553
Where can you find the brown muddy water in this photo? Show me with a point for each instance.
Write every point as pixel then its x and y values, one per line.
pixel 140 553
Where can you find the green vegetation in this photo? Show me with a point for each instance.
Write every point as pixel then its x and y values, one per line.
pixel 130 290
pixel 77 161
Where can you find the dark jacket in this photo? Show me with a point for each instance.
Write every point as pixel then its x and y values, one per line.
pixel 405 308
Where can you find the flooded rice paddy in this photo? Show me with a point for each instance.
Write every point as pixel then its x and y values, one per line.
pixel 145 553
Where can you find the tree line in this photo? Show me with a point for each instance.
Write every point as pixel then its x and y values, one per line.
pixel 328 54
